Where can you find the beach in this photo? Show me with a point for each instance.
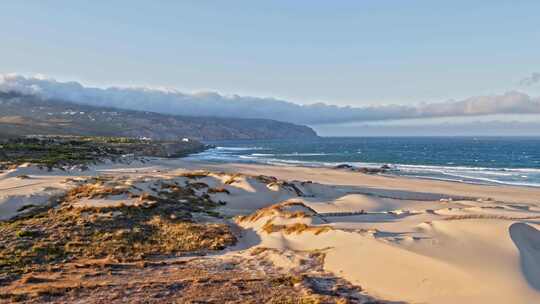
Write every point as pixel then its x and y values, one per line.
pixel 400 239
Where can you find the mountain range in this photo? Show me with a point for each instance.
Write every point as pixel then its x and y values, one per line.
pixel 24 114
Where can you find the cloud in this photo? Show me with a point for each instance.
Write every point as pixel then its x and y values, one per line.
pixel 533 79
pixel 214 104
pixel 472 128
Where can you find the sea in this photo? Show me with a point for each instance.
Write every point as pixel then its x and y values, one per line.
pixel 482 160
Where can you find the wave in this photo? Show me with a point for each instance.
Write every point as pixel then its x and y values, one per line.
pixel 467 174
pixel 307 154
pixel 476 181
pixel 292 154
pixel 278 161
pixel 495 181
pixel 239 148
pixel 529 170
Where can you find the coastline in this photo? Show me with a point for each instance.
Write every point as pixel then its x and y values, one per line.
pixel 397 170
pixel 490 161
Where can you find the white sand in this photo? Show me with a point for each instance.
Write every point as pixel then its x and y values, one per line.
pixel 401 239
pixel 36 189
pixel 411 246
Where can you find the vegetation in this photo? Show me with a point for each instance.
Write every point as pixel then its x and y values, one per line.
pixel 161 225
pixel 68 151
pixel 296 228
pixel 117 239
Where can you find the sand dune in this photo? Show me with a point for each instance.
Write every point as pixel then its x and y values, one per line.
pixel 436 261
pixel 401 239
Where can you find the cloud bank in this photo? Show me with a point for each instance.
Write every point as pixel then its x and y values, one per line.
pixel 213 104
pixel 486 125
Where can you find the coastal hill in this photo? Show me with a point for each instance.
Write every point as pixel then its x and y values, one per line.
pixel 30 115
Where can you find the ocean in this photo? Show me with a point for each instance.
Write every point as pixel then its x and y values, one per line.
pixel 484 160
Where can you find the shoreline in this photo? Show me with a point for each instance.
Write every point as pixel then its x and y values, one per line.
pixel 483 161
pixel 390 172
pixel 398 173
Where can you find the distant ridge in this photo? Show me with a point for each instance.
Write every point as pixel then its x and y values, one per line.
pixel 22 114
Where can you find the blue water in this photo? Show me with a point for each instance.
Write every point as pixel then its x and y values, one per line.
pixel 490 160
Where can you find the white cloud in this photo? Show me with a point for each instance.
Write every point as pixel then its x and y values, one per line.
pixel 214 104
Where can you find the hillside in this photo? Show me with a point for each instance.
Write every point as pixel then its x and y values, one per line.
pixel 28 115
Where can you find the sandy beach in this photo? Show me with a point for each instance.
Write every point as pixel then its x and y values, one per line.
pixel 399 239
pixel 272 152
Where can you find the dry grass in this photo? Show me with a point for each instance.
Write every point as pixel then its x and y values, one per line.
pixel 196 174
pixel 259 250
pixel 266 179
pixel 198 186
pixel 232 179
pixel 158 225
pixel 218 190
pixel 195 281
pixel 296 228
pixel 92 191
pixel 278 210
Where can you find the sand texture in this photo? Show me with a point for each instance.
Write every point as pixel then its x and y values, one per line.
pixel 399 239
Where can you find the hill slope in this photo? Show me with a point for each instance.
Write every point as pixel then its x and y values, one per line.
pixel 25 114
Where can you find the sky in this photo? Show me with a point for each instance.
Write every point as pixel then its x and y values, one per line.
pixel 337 52
pixel 356 53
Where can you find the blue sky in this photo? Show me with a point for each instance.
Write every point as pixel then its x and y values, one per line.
pixel 339 52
